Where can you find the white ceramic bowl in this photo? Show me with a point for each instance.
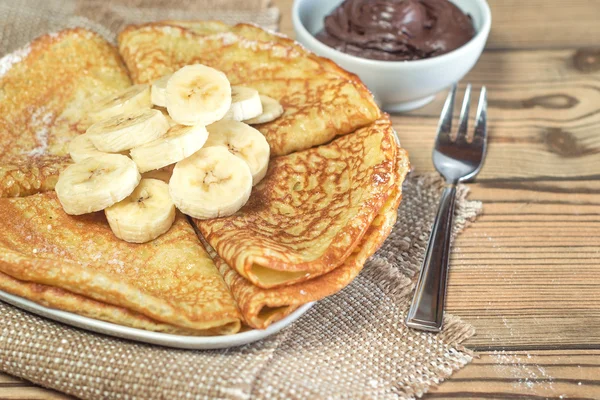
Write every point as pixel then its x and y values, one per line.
pixel 397 85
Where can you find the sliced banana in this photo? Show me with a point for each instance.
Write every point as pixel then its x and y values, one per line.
pixel 133 98
pixel 144 215
pixel 127 131
pixel 198 95
pixel 96 183
pixel 271 111
pixel 178 143
pixel 243 141
pixel 245 104
pixel 211 183
pixel 158 93
pixel 81 147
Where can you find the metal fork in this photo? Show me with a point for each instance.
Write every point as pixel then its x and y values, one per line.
pixel 457 158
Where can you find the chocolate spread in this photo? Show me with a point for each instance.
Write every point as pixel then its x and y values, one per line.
pixel 396 30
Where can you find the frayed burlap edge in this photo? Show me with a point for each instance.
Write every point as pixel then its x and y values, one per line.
pixel 401 282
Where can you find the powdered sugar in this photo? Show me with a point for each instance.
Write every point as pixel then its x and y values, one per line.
pixel 11 59
pixel 40 122
pixel 530 375
pixel 119 265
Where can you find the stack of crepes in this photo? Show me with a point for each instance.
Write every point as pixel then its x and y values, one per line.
pixel 327 203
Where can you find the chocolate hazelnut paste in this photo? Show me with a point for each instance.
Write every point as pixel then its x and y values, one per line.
pixel 396 30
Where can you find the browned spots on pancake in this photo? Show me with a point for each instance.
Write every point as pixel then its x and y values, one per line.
pixel 320 100
pixel 44 98
pixel 170 279
pixel 312 207
pixel 278 302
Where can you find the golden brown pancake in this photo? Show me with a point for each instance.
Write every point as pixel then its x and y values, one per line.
pixel 261 307
pixel 171 280
pixel 45 89
pixel 320 100
pixel 54 297
pixel 23 176
pixel 310 211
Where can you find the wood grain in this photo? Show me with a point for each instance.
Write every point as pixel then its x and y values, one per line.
pixel 526 274
pixel 560 374
pixel 518 24
pixel 12 388
pixel 544 117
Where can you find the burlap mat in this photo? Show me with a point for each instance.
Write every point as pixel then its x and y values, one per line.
pixel 23 20
pixel 351 345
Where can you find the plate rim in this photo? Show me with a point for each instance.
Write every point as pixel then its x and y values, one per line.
pixel 151 337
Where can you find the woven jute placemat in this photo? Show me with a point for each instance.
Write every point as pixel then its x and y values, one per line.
pixel 351 345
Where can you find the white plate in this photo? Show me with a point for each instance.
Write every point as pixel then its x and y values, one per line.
pixel 163 339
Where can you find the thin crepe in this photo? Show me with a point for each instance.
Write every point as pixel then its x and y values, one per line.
pixel 45 89
pixel 320 100
pixel 53 297
pixel 310 211
pixel 261 307
pixel 170 281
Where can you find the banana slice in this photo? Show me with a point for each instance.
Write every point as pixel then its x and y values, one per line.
pixel 158 93
pixel 245 104
pixel 271 111
pixel 133 98
pixel 127 131
pixel 211 183
pixel 96 183
pixel 81 147
pixel 178 143
pixel 244 142
pixel 198 95
pixel 144 215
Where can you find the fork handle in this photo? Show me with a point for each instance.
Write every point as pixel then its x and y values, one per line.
pixel 427 308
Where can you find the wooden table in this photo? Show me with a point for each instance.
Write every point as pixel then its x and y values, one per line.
pixel 526 274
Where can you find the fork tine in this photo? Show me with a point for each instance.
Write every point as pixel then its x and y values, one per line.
pixel 481 117
pixel 463 122
pixel 445 124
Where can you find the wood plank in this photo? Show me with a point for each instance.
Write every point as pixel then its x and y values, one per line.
pixel 527 275
pixel 544 23
pixel 4 379
pixel 13 388
pixel 533 374
pixel 519 24
pixel 543 115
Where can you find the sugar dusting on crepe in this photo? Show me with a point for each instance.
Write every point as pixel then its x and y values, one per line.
pixel 40 122
pixel 9 60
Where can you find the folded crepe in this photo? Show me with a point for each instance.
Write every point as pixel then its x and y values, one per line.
pixel 310 211
pixel 169 281
pixel 260 307
pixel 45 89
pixel 320 100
